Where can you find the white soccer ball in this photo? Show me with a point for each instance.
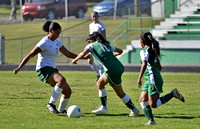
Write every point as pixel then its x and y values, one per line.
pixel 74 112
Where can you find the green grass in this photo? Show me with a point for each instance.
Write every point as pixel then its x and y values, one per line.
pixel 14 32
pixel 23 100
pixel 5 10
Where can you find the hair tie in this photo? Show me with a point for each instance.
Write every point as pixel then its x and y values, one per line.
pixel 149 36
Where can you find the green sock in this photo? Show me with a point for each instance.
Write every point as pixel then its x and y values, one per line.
pixel 148 113
pixel 166 98
pixel 103 100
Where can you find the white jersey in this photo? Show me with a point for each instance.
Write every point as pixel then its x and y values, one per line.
pixel 50 50
pixel 96 27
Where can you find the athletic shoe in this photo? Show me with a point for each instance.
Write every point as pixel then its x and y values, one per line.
pixel 177 95
pixel 134 112
pixel 64 112
pixel 150 123
pixel 52 108
pixel 101 109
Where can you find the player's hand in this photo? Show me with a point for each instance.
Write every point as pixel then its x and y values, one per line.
pixel 74 61
pixel 139 83
pixel 15 71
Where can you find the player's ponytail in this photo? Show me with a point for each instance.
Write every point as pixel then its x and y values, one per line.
pixel 101 39
pixel 46 25
pixel 151 42
pixel 50 25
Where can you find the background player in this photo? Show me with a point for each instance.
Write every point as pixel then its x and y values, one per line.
pixel 151 70
pixel 96 26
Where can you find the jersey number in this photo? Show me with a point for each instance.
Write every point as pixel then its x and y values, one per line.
pixel 104 48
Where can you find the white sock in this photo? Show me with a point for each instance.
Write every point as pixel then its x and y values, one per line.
pixel 144 104
pixel 55 95
pixel 102 92
pixel 125 99
pixel 103 95
pixel 63 104
pixel 95 68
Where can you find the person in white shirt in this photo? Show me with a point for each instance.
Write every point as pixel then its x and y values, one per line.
pixel 47 49
pixel 96 26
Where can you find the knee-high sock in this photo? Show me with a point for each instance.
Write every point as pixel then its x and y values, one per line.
pixel 103 96
pixel 126 99
pixel 95 68
pixel 55 95
pixel 164 99
pixel 147 110
pixel 63 104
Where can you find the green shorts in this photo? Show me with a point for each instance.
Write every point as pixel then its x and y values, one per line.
pixel 114 74
pixel 44 73
pixel 152 88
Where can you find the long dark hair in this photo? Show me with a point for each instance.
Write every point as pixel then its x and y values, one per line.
pixel 50 25
pixel 101 39
pixel 151 42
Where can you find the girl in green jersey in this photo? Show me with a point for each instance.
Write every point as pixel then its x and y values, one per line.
pixel 105 54
pixel 151 68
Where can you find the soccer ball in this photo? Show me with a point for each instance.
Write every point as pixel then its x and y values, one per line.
pixel 74 112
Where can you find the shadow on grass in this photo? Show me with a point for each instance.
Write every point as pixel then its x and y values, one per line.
pixel 107 114
pixel 28 98
pixel 175 116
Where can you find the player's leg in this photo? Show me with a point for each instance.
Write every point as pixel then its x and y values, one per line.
pixel 61 86
pixel 126 100
pixel 156 101
pixel 102 94
pixel 146 108
pixel 94 67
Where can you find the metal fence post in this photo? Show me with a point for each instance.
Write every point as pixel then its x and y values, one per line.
pixel 2 49
pixel 21 49
pixel 68 47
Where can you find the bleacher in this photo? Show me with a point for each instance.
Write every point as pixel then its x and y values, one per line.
pixel 183 25
pixel 178 35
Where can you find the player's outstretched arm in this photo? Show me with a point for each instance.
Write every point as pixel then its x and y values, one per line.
pixel 81 55
pixel 31 54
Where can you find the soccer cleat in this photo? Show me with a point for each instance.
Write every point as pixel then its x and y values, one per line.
pixel 177 95
pixel 101 109
pixel 134 112
pixel 150 123
pixel 52 108
pixel 64 112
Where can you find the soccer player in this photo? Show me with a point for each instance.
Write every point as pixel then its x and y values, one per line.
pixel 105 54
pixel 151 68
pixel 47 49
pixel 96 26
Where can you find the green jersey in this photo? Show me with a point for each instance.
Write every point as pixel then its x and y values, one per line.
pixel 152 73
pixel 103 54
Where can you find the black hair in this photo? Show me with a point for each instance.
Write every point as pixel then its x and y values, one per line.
pixel 96 13
pixel 151 42
pixel 91 37
pixel 50 25
pixel 100 38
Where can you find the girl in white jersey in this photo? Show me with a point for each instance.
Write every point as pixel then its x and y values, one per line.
pixel 96 26
pixel 105 54
pixel 153 85
pixel 47 50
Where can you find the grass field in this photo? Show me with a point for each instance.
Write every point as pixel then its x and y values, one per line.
pixel 23 100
